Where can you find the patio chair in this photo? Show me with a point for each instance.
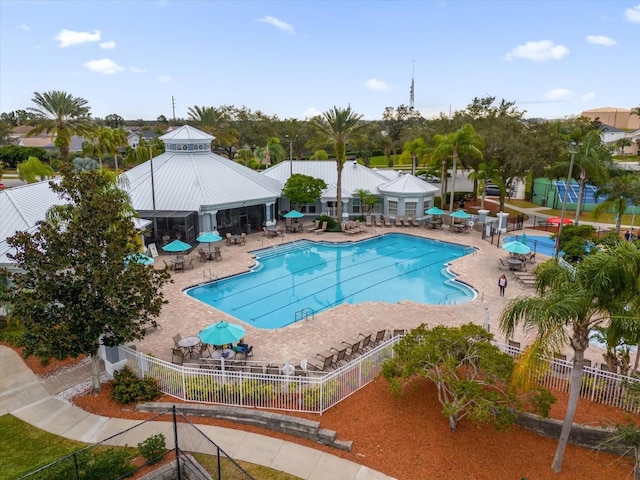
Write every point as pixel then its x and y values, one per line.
pixel 168 266
pixel 229 239
pixel 322 229
pixel 405 221
pixel 177 356
pixel 367 221
pixel 502 264
pixel 188 264
pixel 414 222
pixel 365 343
pixel 316 225
pixel 243 239
pixel 387 221
pixel 300 372
pixel 399 222
pixel 354 349
pixel 202 255
pixel 379 337
pixel 399 332
pixel 321 366
pixel 176 338
pixel 272 370
pixel 217 254
pixel 340 358
pixel 378 221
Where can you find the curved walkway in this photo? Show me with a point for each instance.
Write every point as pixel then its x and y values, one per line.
pixel 24 396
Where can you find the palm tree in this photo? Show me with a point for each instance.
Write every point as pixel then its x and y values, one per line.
pixel 570 304
pixel 338 126
pixel 487 171
pixel 464 141
pixel 590 166
pixel 105 141
pixel 244 156
pixel 417 150
pixel 215 121
pixel 620 191
pixel 272 153
pixel 61 115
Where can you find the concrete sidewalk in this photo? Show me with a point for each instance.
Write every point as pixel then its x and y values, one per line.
pixel 24 396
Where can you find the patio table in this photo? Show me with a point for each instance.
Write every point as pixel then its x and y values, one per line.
pixel 514 263
pixel 226 353
pixel 189 344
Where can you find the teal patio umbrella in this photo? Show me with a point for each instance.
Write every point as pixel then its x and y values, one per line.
pixel 209 238
pixel 221 333
pixel 176 246
pixel 461 214
pixel 434 211
pixel 139 258
pixel 516 247
pixel 293 214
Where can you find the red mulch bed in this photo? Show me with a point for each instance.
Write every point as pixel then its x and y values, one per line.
pixel 408 438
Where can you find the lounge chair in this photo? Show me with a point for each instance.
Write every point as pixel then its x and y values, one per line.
pixel 414 222
pixel 378 221
pixel 340 357
pixel 378 338
pixel 354 349
pixel 316 225
pixel 367 221
pixel 399 222
pixel 405 221
pixel 322 229
pixel 323 365
pixel 387 221
pixel 365 343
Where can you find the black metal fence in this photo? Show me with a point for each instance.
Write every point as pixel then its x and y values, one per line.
pixel 165 442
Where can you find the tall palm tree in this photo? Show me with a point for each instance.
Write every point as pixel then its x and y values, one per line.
pixel 339 127
pixel 620 191
pixel 417 149
pixel 215 121
pixel 569 305
pixel 487 171
pixel 60 115
pixel 464 141
pixel 272 153
pixel 105 141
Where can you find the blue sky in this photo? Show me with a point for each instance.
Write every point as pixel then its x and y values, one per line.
pixel 300 58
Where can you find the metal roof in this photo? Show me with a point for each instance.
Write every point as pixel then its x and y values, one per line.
pixel 354 176
pixel 186 132
pixel 407 185
pixel 190 181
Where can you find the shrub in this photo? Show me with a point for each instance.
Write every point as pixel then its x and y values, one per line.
pixel 153 448
pixel 127 388
pixel 12 334
pixel 332 225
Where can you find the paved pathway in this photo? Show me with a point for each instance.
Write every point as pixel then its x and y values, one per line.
pixel 24 396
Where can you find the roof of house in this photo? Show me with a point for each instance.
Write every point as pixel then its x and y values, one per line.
pixel 197 181
pixel 607 109
pixel 41 142
pixel 609 129
pixel 408 184
pixel 21 130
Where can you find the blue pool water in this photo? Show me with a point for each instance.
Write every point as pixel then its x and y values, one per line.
pixel 318 276
pixel 538 244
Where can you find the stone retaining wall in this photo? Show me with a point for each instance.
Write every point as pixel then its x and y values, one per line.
pixel 298 427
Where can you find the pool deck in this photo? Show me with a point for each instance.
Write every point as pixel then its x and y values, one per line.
pixel 187 316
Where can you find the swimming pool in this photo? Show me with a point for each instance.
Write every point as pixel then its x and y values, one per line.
pixel 316 276
pixel 537 243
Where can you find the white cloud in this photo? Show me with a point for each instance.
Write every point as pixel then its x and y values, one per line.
pixel 69 37
pixel 105 66
pixel 587 97
pixel 311 112
pixel 24 27
pixel 108 45
pixel 375 84
pixel 601 40
pixel 558 94
pixel 284 26
pixel 164 79
pixel 632 14
pixel 137 70
pixel 538 51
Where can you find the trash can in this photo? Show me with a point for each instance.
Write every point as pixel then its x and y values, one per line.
pixel 543 202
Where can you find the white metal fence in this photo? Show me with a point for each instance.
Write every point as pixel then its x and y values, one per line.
pixel 262 386
pixel 598 385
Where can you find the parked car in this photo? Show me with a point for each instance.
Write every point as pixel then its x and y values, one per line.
pixel 429 178
pixel 492 190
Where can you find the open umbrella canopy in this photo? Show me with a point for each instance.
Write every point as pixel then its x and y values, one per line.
pixel 221 333
pixel 558 220
pixel 176 246
pixel 293 214
pixel 516 247
pixel 461 214
pixel 434 211
pixel 139 258
pixel 209 237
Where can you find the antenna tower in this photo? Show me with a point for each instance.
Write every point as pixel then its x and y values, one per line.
pixel 412 90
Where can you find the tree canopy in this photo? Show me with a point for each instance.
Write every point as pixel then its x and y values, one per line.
pixel 75 288
pixel 302 189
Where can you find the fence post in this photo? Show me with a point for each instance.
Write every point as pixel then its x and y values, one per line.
pixel 175 441
pixel 75 464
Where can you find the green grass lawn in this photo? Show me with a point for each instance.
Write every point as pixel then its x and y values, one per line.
pixel 26 448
